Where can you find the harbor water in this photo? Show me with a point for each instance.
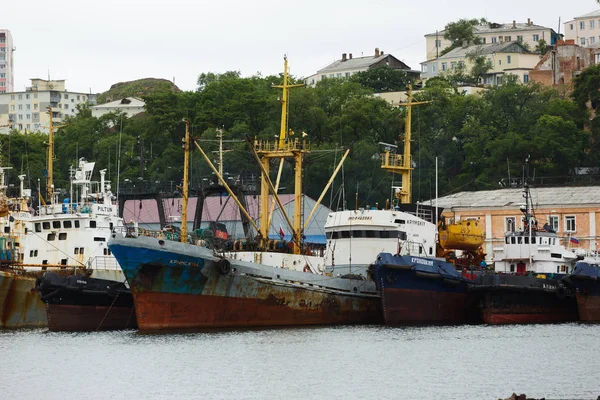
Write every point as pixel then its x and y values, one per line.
pixel 464 362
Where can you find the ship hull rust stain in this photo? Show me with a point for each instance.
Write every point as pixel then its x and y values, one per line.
pixel 20 304
pixel 75 318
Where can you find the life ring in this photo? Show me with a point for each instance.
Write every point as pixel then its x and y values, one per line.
pixel 224 266
pixel 307 268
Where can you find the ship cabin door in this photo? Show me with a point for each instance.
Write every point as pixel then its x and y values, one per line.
pixel 521 268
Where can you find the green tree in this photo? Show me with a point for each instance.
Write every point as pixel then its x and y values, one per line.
pixel 383 79
pixel 462 31
pixel 542 47
pixel 586 87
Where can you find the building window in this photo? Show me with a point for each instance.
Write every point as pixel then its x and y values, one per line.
pixel 35 106
pixel 20 106
pixel 444 66
pixel 570 225
pixel 35 95
pixel 20 97
pixel 66 96
pixel 508 59
pixel 483 40
pixel 553 222
pixel 28 116
pixel 571 26
pixel 27 96
pixel 507 38
pixel 28 106
pixel 520 38
pixel 509 224
pixel 347 74
pixel 12 107
pixel 582 41
pixel 438 43
pixel 582 25
pixel 28 126
pixel 592 39
pixel 592 22
pixel 494 39
pixel 339 75
pixel 331 75
pixel 12 96
pixel 536 38
pixel 525 78
pixel 80 96
pixel 453 65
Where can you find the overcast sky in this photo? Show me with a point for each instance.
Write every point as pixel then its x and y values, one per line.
pixel 93 45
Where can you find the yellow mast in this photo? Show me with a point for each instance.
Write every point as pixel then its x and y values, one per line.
pixel 50 160
pixel 285 148
pixel 186 162
pixel 401 164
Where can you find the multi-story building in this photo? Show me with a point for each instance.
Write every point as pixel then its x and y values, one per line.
pixel 498 211
pixel 6 62
pixel 527 34
pixel 348 66
pixel 505 58
pixel 559 66
pixel 130 106
pixel 29 110
pixel 584 30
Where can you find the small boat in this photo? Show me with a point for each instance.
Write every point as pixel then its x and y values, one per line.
pixel 421 291
pixel 585 279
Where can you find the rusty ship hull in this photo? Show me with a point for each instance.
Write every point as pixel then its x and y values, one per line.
pixel 79 303
pixel 513 299
pixel 179 286
pixel 585 279
pixel 20 304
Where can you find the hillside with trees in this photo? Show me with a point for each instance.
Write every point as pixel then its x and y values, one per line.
pixel 479 140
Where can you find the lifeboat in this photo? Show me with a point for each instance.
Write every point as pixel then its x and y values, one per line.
pixel 462 235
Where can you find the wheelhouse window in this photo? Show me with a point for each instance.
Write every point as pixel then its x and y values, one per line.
pixel 570 225
pixel 76 223
pixel 62 236
pixel 56 224
pixel 38 227
pixel 67 224
pixel 46 225
pixel 51 237
pixel 92 224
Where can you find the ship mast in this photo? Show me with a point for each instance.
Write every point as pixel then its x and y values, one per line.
pixel 401 164
pixel 50 160
pixel 286 147
pixel 184 205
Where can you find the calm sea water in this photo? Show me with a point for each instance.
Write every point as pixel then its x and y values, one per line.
pixel 467 362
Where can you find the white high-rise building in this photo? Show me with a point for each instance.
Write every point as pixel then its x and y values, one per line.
pixel 29 110
pixel 7 80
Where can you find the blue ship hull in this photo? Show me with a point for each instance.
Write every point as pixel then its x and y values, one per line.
pixel 421 291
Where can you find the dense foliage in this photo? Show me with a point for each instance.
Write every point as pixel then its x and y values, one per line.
pixel 479 140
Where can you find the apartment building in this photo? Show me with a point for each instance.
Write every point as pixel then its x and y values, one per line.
pixel 527 34
pixel 349 65
pixel 28 111
pixel 584 30
pixel 505 58
pixel 7 80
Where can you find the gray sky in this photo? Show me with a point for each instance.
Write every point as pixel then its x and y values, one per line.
pixel 95 45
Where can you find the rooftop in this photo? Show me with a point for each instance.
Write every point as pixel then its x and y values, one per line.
pixel 591 14
pixel 494 27
pixel 484 49
pixel 512 198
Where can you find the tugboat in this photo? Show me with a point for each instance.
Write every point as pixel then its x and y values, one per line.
pixel 75 235
pixel 525 286
pixel 585 279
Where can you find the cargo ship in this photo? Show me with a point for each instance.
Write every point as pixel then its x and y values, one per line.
pixel 585 280
pixel 183 286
